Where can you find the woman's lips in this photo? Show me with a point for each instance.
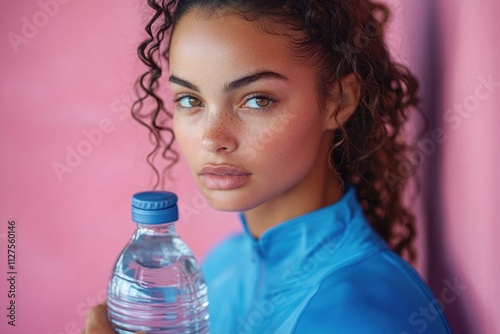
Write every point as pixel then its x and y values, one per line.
pixel 223 177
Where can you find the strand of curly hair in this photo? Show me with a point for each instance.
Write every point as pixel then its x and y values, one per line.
pixel 339 37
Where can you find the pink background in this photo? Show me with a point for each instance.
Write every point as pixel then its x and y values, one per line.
pixel 73 73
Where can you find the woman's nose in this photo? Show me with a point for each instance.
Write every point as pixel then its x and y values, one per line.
pixel 219 135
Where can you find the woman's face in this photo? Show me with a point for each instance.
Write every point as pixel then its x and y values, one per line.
pixel 246 114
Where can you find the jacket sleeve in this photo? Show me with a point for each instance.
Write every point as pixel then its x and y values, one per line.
pixel 384 295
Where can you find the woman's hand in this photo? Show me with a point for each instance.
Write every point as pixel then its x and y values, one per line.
pixel 97 321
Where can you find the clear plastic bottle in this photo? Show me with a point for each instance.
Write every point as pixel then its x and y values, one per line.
pixel 157 285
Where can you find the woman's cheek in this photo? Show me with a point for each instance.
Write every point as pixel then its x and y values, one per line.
pixel 185 139
pixel 270 132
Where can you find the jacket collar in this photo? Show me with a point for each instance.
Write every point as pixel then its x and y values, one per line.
pixel 336 232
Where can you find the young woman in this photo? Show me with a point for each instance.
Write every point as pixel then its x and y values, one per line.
pixel 291 112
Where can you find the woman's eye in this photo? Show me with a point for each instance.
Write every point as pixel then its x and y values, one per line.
pixel 189 102
pixel 258 102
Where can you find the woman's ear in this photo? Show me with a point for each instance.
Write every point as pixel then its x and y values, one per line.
pixel 343 104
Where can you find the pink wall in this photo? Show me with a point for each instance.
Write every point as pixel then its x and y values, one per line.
pixel 470 177
pixel 72 74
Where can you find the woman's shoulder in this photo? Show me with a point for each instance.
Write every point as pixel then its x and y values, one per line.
pixel 381 294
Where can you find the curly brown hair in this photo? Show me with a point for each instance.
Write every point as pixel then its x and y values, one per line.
pixel 339 37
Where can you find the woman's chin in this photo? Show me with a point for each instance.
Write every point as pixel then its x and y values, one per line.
pixel 224 201
pixel 228 206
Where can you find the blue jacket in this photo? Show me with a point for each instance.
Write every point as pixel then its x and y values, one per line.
pixel 326 271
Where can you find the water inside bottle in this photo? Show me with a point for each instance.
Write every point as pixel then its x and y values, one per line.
pixel 144 295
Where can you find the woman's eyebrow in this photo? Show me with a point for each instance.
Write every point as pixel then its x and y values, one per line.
pixel 183 82
pixel 246 80
pixel 252 78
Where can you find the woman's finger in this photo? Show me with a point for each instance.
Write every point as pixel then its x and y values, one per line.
pixel 97 321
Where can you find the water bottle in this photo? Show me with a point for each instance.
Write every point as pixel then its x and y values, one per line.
pixel 157 285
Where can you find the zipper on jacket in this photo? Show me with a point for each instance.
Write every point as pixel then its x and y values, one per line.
pixel 259 275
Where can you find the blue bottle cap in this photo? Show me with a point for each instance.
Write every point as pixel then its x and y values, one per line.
pixel 154 207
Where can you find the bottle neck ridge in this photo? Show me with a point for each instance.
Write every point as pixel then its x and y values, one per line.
pixel 164 228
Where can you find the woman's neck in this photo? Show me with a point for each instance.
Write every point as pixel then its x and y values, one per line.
pixel 318 189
